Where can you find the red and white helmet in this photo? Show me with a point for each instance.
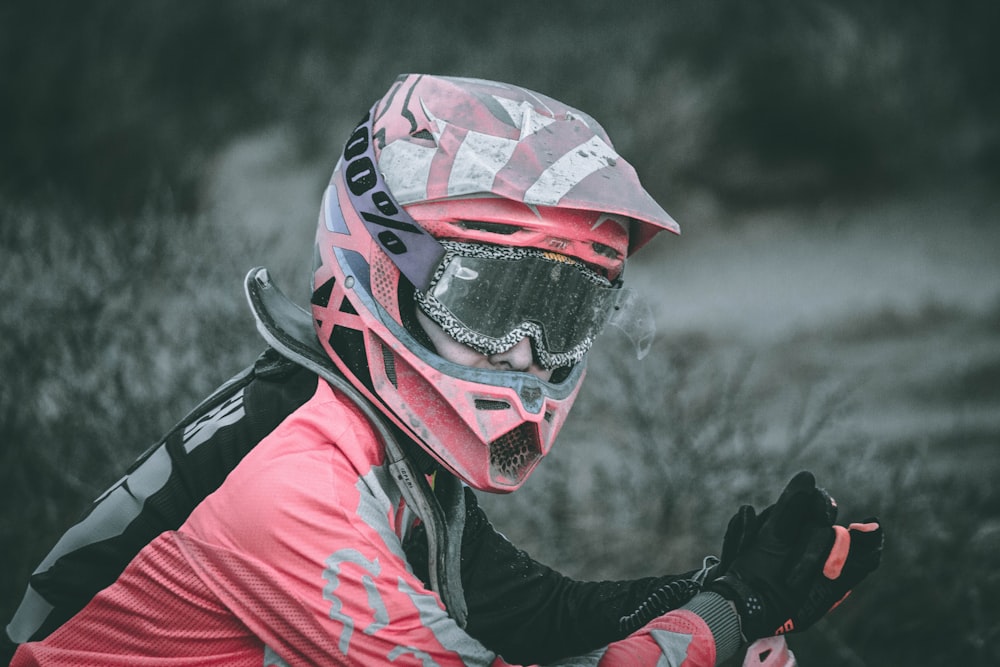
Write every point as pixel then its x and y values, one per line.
pixel 504 214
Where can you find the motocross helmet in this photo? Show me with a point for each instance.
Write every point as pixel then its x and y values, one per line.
pixel 500 213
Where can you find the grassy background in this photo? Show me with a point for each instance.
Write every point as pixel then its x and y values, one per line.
pixel 834 303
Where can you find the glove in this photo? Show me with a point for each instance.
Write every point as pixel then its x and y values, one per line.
pixel 789 566
pixel 745 524
pixel 740 534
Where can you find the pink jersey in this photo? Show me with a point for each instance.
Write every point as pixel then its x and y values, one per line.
pixel 297 559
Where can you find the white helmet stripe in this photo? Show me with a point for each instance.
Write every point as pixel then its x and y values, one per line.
pixel 522 113
pixel 477 162
pixel 406 167
pixel 566 172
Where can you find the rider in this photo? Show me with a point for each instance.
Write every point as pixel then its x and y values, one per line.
pixel 319 507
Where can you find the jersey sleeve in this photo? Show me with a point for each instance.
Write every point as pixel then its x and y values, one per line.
pixel 529 612
pixel 680 638
pixel 372 621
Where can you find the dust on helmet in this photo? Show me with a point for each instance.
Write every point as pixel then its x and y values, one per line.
pixel 500 213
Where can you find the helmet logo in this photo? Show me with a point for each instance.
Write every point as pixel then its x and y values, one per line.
pixel 414 252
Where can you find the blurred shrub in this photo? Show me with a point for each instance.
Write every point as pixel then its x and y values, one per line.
pixel 114 102
pixel 106 339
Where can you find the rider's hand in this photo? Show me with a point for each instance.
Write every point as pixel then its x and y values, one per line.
pixel 789 566
pixel 740 534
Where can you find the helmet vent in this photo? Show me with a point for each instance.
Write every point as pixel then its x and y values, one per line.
pixel 605 250
pixel 321 297
pixel 491 227
pixel 514 453
pixel 349 345
pixel 347 307
pixel 486 404
pixel 389 364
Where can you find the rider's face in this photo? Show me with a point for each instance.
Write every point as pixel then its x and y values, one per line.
pixel 517 358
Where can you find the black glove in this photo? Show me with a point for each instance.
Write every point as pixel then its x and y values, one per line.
pixel 740 534
pixel 789 566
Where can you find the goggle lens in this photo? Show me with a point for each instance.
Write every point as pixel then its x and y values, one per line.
pixel 490 297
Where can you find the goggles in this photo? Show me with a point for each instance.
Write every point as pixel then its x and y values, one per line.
pixel 490 297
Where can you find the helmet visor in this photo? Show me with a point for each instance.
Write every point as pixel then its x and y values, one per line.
pixel 490 297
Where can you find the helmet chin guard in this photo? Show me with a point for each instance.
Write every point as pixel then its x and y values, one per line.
pixel 468 161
